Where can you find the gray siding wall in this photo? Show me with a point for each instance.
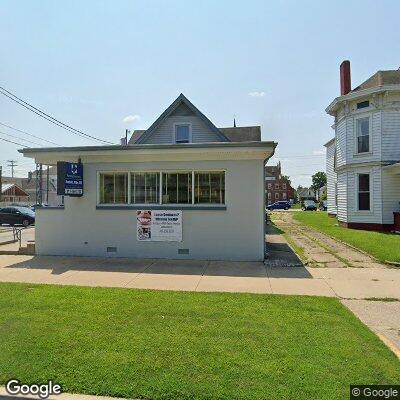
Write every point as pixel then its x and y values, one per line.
pixel 390 195
pixel 391 135
pixel 341 142
pixel 236 233
pixel 165 133
pixel 331 178
pixel 342 196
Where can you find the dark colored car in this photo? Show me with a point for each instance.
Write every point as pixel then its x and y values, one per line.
pixel 309 205
pixel 17 216
pixel 323 205
pixel 280 205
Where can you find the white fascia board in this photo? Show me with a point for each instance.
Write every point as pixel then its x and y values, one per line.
pixel 360 93
pixel 148 155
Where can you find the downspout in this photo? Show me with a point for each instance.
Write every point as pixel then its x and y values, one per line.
pixel 264 202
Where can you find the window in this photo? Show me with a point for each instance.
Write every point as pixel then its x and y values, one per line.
pixel 276 196
pixel 364 192
pixel 177 188
pixel 114 188
pixel 283 196
pixel 156 187
pixel 145 187
pixel 276 185
pixel 284 186
pixel 363 135
pixel 209 187
pixel 269 196
pixel 362 104
pixel 182 133
pixel 269 185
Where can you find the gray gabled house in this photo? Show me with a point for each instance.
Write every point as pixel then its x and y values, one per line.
pixel 182 188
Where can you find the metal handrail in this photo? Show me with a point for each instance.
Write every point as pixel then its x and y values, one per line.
pixel 17 233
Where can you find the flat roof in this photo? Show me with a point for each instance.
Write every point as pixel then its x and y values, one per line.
pixel 29 150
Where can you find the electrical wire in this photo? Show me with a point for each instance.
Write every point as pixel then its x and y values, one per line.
pixel 29 134
pixel 47 117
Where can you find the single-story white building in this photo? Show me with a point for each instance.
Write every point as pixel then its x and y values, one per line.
pixel 181 189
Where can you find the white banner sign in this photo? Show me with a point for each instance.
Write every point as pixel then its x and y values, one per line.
pixel 159 225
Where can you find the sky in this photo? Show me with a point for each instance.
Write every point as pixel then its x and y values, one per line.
pixel 106 66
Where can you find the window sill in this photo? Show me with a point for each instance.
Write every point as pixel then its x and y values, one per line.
pixel 200 207
pixel 368 153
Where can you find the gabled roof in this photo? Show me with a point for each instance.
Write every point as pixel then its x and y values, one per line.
pixel 181 99
pixel 8 186
pixel 242 133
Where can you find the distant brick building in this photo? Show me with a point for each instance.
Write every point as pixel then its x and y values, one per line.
pixel 276 186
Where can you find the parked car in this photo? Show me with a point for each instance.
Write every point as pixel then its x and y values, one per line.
pixel 17 216
pixel 280 205
pixel 309 205
pixel 35 206
pixel 323 206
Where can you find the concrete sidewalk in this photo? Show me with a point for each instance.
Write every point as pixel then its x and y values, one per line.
pixel 208 276
pixel 63 396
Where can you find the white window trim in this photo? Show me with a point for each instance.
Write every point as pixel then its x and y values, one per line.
pixel 99 189
pixel 364 116
pixel 160 172
pixel 189 124
pixel 371 202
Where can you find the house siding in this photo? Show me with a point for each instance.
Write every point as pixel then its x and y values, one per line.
pixel 390 195
pixel 165 133
pixel 341 142
pixel 342 196
pixel 391 135
pixel 331 178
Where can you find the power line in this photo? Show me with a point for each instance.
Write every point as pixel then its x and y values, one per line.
pixel 29 134
pixel 20 138
pixel 48 117
pixel 10 141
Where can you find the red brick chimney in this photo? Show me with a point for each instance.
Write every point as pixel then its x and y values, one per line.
pixel 345 78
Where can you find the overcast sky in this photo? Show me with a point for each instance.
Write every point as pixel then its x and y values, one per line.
pixel 103 66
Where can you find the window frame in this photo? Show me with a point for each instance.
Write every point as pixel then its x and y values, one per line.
pixel 175 125
pixel 356 153
pixel 160 182
pixel 194 186
pixel 99 188
pixel 371 204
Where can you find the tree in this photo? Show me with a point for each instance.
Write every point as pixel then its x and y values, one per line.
pixel 287 179
pixel 318 180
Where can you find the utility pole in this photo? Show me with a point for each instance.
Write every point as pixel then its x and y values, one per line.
pixel 39 184
pixel 12 164
pixel 47 185
pixel 1 180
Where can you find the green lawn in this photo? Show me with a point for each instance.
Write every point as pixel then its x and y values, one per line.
pixel 383 246
pixel 177 345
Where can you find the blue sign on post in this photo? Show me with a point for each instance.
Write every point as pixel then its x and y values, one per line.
pixel 70 179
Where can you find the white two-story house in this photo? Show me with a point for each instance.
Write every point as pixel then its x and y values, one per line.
pixel 363 159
